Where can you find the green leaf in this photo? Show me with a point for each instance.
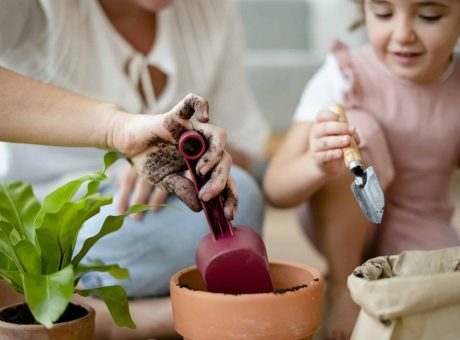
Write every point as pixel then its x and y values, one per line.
pixel 110 158
pixel 7 263
pixel 28 256
pixel 67 191
pixel 48 295
pixel 92 188
pixel 110 225
pixel 117 302
pixel 55 200
pixel 13 278
pixel 9 272
pixel 50 251
pixel 6 226
pixel 68 232
pixel 98 266
pixel 7 249
pixel 19 206
pixel 5 246
pixel 49 235
pixel 60 229
pixel 95 202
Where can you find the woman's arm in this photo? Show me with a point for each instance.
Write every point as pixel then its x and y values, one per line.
pixel 33 112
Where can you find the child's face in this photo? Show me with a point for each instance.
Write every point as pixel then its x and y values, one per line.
pixel 414 38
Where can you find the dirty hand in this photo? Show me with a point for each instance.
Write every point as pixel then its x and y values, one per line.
pixel 134 189
pixel 329 135
pixel 151 142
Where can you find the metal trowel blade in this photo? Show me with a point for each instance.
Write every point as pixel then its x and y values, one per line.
pixel 369 195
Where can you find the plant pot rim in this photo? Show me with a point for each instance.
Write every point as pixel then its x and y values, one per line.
pixel 10 325
pixel 315 283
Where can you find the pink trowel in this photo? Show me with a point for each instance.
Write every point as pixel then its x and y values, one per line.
pixel 231 259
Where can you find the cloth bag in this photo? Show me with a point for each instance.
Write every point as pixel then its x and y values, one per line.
pixel 414 295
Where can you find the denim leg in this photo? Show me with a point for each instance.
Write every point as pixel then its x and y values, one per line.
pixel 163 242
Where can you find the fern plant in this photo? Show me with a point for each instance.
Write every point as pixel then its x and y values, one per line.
pixel 37 243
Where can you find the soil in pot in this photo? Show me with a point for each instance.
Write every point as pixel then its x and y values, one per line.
pixel 21 315
pixel 17 323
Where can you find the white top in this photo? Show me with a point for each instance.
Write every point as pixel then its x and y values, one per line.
pixel 72 44
pixel 326 87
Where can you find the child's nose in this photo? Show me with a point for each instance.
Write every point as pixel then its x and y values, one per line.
pixel 403 32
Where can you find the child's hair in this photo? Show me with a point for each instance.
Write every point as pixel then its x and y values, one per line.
pixel 360 21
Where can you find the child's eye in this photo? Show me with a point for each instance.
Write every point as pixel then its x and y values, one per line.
pixel 430 17
pixel 383 15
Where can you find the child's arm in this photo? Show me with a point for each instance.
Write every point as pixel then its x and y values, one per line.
pixel 310 155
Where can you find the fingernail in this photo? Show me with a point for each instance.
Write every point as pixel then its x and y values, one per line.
pixel 206 196
pixel 352 129
pixel 202 171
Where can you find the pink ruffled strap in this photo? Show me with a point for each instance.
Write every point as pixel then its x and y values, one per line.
pixel 353 98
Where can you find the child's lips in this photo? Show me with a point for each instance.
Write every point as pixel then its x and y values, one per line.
pixel 406 58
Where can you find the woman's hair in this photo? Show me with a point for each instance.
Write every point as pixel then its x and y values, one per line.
pixel 360 21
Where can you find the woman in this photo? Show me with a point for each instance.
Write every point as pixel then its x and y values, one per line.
pixel 143 56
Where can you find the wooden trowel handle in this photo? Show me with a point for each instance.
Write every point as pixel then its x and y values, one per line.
pixel 351 154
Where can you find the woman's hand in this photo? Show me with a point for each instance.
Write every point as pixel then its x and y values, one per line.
pixel 151 142
pixel 134 189
pixel 329 135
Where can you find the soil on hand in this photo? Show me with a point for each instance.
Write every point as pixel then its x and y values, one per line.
pixel 21 314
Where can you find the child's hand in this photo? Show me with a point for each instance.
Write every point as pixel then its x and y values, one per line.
pixel 329 135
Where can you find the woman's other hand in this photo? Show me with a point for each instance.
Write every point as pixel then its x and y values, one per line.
pixel 134 189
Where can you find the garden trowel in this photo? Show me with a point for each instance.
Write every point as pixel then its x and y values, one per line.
pixel 366 186
pixel 230 259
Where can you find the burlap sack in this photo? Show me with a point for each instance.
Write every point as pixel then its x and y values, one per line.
pixel 415 295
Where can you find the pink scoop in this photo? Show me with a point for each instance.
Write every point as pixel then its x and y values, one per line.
pixel 231 259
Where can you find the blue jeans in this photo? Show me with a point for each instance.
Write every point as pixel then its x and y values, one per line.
pixel 163 242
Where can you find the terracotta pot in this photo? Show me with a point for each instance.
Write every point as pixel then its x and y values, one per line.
pixel 293 311
pixel 78 329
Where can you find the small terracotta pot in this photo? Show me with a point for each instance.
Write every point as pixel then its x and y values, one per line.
pixel 293 311
pixel 78 329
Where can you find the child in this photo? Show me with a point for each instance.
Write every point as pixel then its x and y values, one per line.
pixel 401 94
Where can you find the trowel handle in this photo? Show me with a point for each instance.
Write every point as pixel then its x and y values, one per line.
pixel 192 146
pixel 351 154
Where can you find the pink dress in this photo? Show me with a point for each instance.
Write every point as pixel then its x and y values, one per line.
pixel 411 136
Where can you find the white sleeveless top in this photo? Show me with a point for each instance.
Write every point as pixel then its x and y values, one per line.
pixel 73 45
